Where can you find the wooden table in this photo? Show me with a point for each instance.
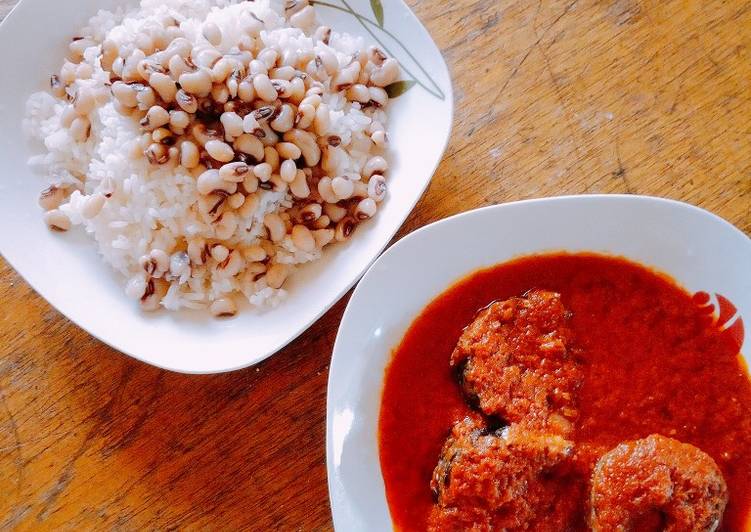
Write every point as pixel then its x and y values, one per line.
pixel 552 97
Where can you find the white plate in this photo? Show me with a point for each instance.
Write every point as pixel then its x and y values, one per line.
pixel 698 249
pixel 65 269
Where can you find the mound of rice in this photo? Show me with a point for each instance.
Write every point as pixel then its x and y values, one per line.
pixel 134 188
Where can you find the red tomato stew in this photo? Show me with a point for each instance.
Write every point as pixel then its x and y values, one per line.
pixel 652 359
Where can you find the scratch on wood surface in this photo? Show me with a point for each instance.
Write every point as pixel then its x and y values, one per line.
pixel 620 172
pixel 530 49
pixel 17 444
pixel 624 12
pixel 557 89
pixel 100 417
pixel 131 434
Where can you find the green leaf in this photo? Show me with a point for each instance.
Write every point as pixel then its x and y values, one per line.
pixel 398 88
pixel 377 7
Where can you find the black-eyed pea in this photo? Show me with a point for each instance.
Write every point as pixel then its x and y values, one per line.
pixel 276 275
pixel 303 239
pixel 155 291
pixel 376 55
pixel 236 200
pixel 326 191
pixel 256 67
pixel 164 86
pixel 306 141
pixel 250 183
pixel 189 154
pixel 197 83
pixel 57 220
pixel 179 120
pixel 155 118
pixel 271 156
pixel 80 129
pixel 342 187
pixel 288 170
pixel 234 172
pixel 77 47
pixel 303 19
pixel 255 253
pixel 222 69
pixel 299 186
pixel 386 73
pixel 220 93
pixel 250 145
pixel 233 125
pixel 358 93
pixel 178 67
pixel 145 96
pixel 93 205
pixel 375 165
pixel 219 252
pixel 84 101
pixel 157 154
pixel 379 138
pixel 210 181
pixel 287 150
pixel 263 172
pixel 147 67
pixel 322 120
pixel 269 57
pixel 306 113
pixel 278 184
pixel 52 197
pixel 225 226
pixel 322 223
pixel 264 88
pixel 187 102
pixel 276 227
pixel 67 116
pixel 296 90
pixel 220 151
pixel 164 136
pixel 365 209
pixel 286 73
pixel 224 307
pixel 335 212
pixel 125 94
pixel 377 187
pixel 197 251
pixel 378 96
pixel 285 120
pixel 344 228
pixel 245 90
pixel 323 34
pixel 248 209
pixel 323 237
pixel 212 33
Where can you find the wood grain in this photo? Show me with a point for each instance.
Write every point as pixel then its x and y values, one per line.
pixel 552 97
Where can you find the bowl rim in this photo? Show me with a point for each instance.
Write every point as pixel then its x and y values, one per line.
pixel 338 354
pixel 283 340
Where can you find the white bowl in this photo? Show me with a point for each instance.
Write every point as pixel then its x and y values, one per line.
pixel 66 270
pixel 698 249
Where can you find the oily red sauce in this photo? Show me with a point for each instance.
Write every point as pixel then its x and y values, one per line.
pixel 654 361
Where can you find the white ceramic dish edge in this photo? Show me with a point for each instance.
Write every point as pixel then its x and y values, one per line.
pixel 372 512
pixel 200 359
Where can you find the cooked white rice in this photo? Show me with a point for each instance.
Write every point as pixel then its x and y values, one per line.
pixel 156 207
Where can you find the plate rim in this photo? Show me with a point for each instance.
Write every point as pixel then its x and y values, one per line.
pixel 337 353
pixel 286 339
